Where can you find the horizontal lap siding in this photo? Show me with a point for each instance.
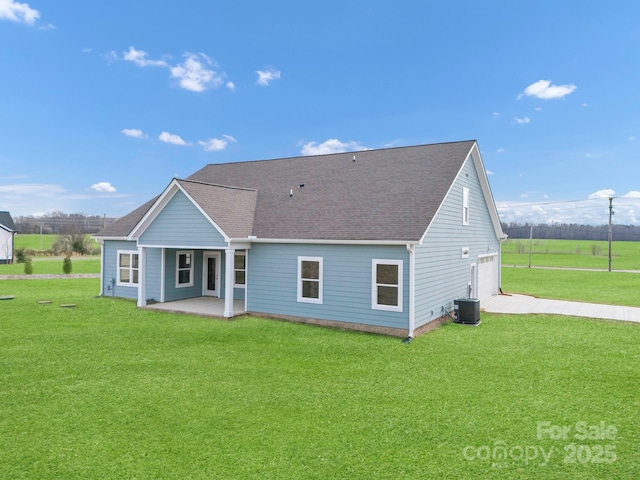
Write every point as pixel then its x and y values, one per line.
pixel 273 273
pixel 110 252
pixel 171 291
pixel 180 223
pixel 153 275
pixel 442 275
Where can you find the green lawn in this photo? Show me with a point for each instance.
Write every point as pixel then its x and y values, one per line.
pixel 53 265
pixel 571 253
pixel 106 390
pixel 615 288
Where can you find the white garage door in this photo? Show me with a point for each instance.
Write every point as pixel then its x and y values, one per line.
pixel 487 276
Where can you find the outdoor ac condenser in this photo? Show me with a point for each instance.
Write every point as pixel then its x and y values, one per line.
pixel 467 311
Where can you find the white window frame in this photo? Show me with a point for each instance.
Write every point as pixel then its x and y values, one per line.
pixel 235 270
pixel 190 269
pixel 374 285
pixel 464 253
pixel 319 279
pixel 130 283
pixel 465 205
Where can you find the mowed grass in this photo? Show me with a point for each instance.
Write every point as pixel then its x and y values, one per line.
pixel 613 288
pixel 106 390
pixel 84 264
pixel 35 241
pixel 571 253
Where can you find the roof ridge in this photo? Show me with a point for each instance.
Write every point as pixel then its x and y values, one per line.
pixel 215 184
pixel 350 152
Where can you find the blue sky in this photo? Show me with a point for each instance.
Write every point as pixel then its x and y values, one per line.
pixel 103 103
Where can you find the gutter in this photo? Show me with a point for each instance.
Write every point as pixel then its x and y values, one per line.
pixel 411 248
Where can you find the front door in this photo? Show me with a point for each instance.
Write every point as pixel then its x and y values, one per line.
pixel 211 273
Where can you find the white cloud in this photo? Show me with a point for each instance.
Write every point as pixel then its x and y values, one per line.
pixel 521 121
pixel 632 194
pixel 496 114
pixel 500 150
pixel 18 12
pixel 103 187
pixel 193 74
pixel 40 189
pixel 333 145
pixel 268 75
pixel 139 57
pixel 489 172
pixel 216 144
pixel 544 90
pixel 231 86
pixel 631 138
pixel 133 132
pixel 606 193
pixel 167 137
pixel 585 104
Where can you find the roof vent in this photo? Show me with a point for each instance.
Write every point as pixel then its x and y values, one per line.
pixel 354 158
pixel 291 193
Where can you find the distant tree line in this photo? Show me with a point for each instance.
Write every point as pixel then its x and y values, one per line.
pixel 60 223
pixel 572 231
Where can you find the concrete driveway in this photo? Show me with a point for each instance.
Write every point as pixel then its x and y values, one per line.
pixel 515 303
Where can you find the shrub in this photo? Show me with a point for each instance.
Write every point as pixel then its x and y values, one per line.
pixel 595 250
pixel 28 266
pixel 66 265
pixel 19 255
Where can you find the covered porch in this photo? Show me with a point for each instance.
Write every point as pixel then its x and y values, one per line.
pixel 201 306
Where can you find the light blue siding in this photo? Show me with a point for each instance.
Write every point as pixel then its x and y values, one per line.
pixel 441 274
pixel 179 293
pixel 110 272
pixel 153 277
pixel 181 224
pixel 347 271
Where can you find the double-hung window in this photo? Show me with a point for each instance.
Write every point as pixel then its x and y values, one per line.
pixel 310 279
pixel 240 269
pixel 465 206
pixel 386 285
pixel 184 269
pixel 128 268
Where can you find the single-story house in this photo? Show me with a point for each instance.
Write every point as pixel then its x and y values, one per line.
pixel 377 240
pixel 7 232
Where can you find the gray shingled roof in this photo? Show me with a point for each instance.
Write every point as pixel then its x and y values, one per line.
pixel 123 226
pixel 387 194
pixel 231 208
pixel 7 222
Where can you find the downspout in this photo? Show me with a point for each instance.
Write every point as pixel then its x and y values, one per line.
pixel 412 286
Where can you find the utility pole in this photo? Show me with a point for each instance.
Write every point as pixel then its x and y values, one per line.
pixel 611 212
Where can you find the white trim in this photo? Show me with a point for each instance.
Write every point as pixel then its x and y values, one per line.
pixel 412 289
pixel 229 256
pixel 316 241
pixel 240 254
pixel 374 285
pixel 301 280
pixel 191 269
pixel 472 287
pixel 163 271
pixel 206 255
pixel 184 246
pixel 129 284
pixel 142 284
pixel 246 282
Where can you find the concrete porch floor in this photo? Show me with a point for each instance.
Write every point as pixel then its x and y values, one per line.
pixel 202 306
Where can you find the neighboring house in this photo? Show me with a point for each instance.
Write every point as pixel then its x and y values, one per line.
pixel 376 240
pixel 7 232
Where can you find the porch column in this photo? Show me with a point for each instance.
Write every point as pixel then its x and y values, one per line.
pixel 229 281
pixel 142 274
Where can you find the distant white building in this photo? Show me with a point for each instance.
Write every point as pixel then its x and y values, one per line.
pixel 7 232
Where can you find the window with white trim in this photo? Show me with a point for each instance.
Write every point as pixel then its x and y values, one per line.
pixel 386 285
pixel 465 206
pixel 310 279
pixel 184 269
pixel 128 268
pixel 240 269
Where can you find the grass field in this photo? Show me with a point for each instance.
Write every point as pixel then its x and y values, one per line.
pixel 53 265
pixel 106 390
pixel 39 242
pixel 614 288
pixel 572 253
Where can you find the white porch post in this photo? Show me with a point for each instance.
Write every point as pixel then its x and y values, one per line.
pixel 229 255
pixel 142 274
